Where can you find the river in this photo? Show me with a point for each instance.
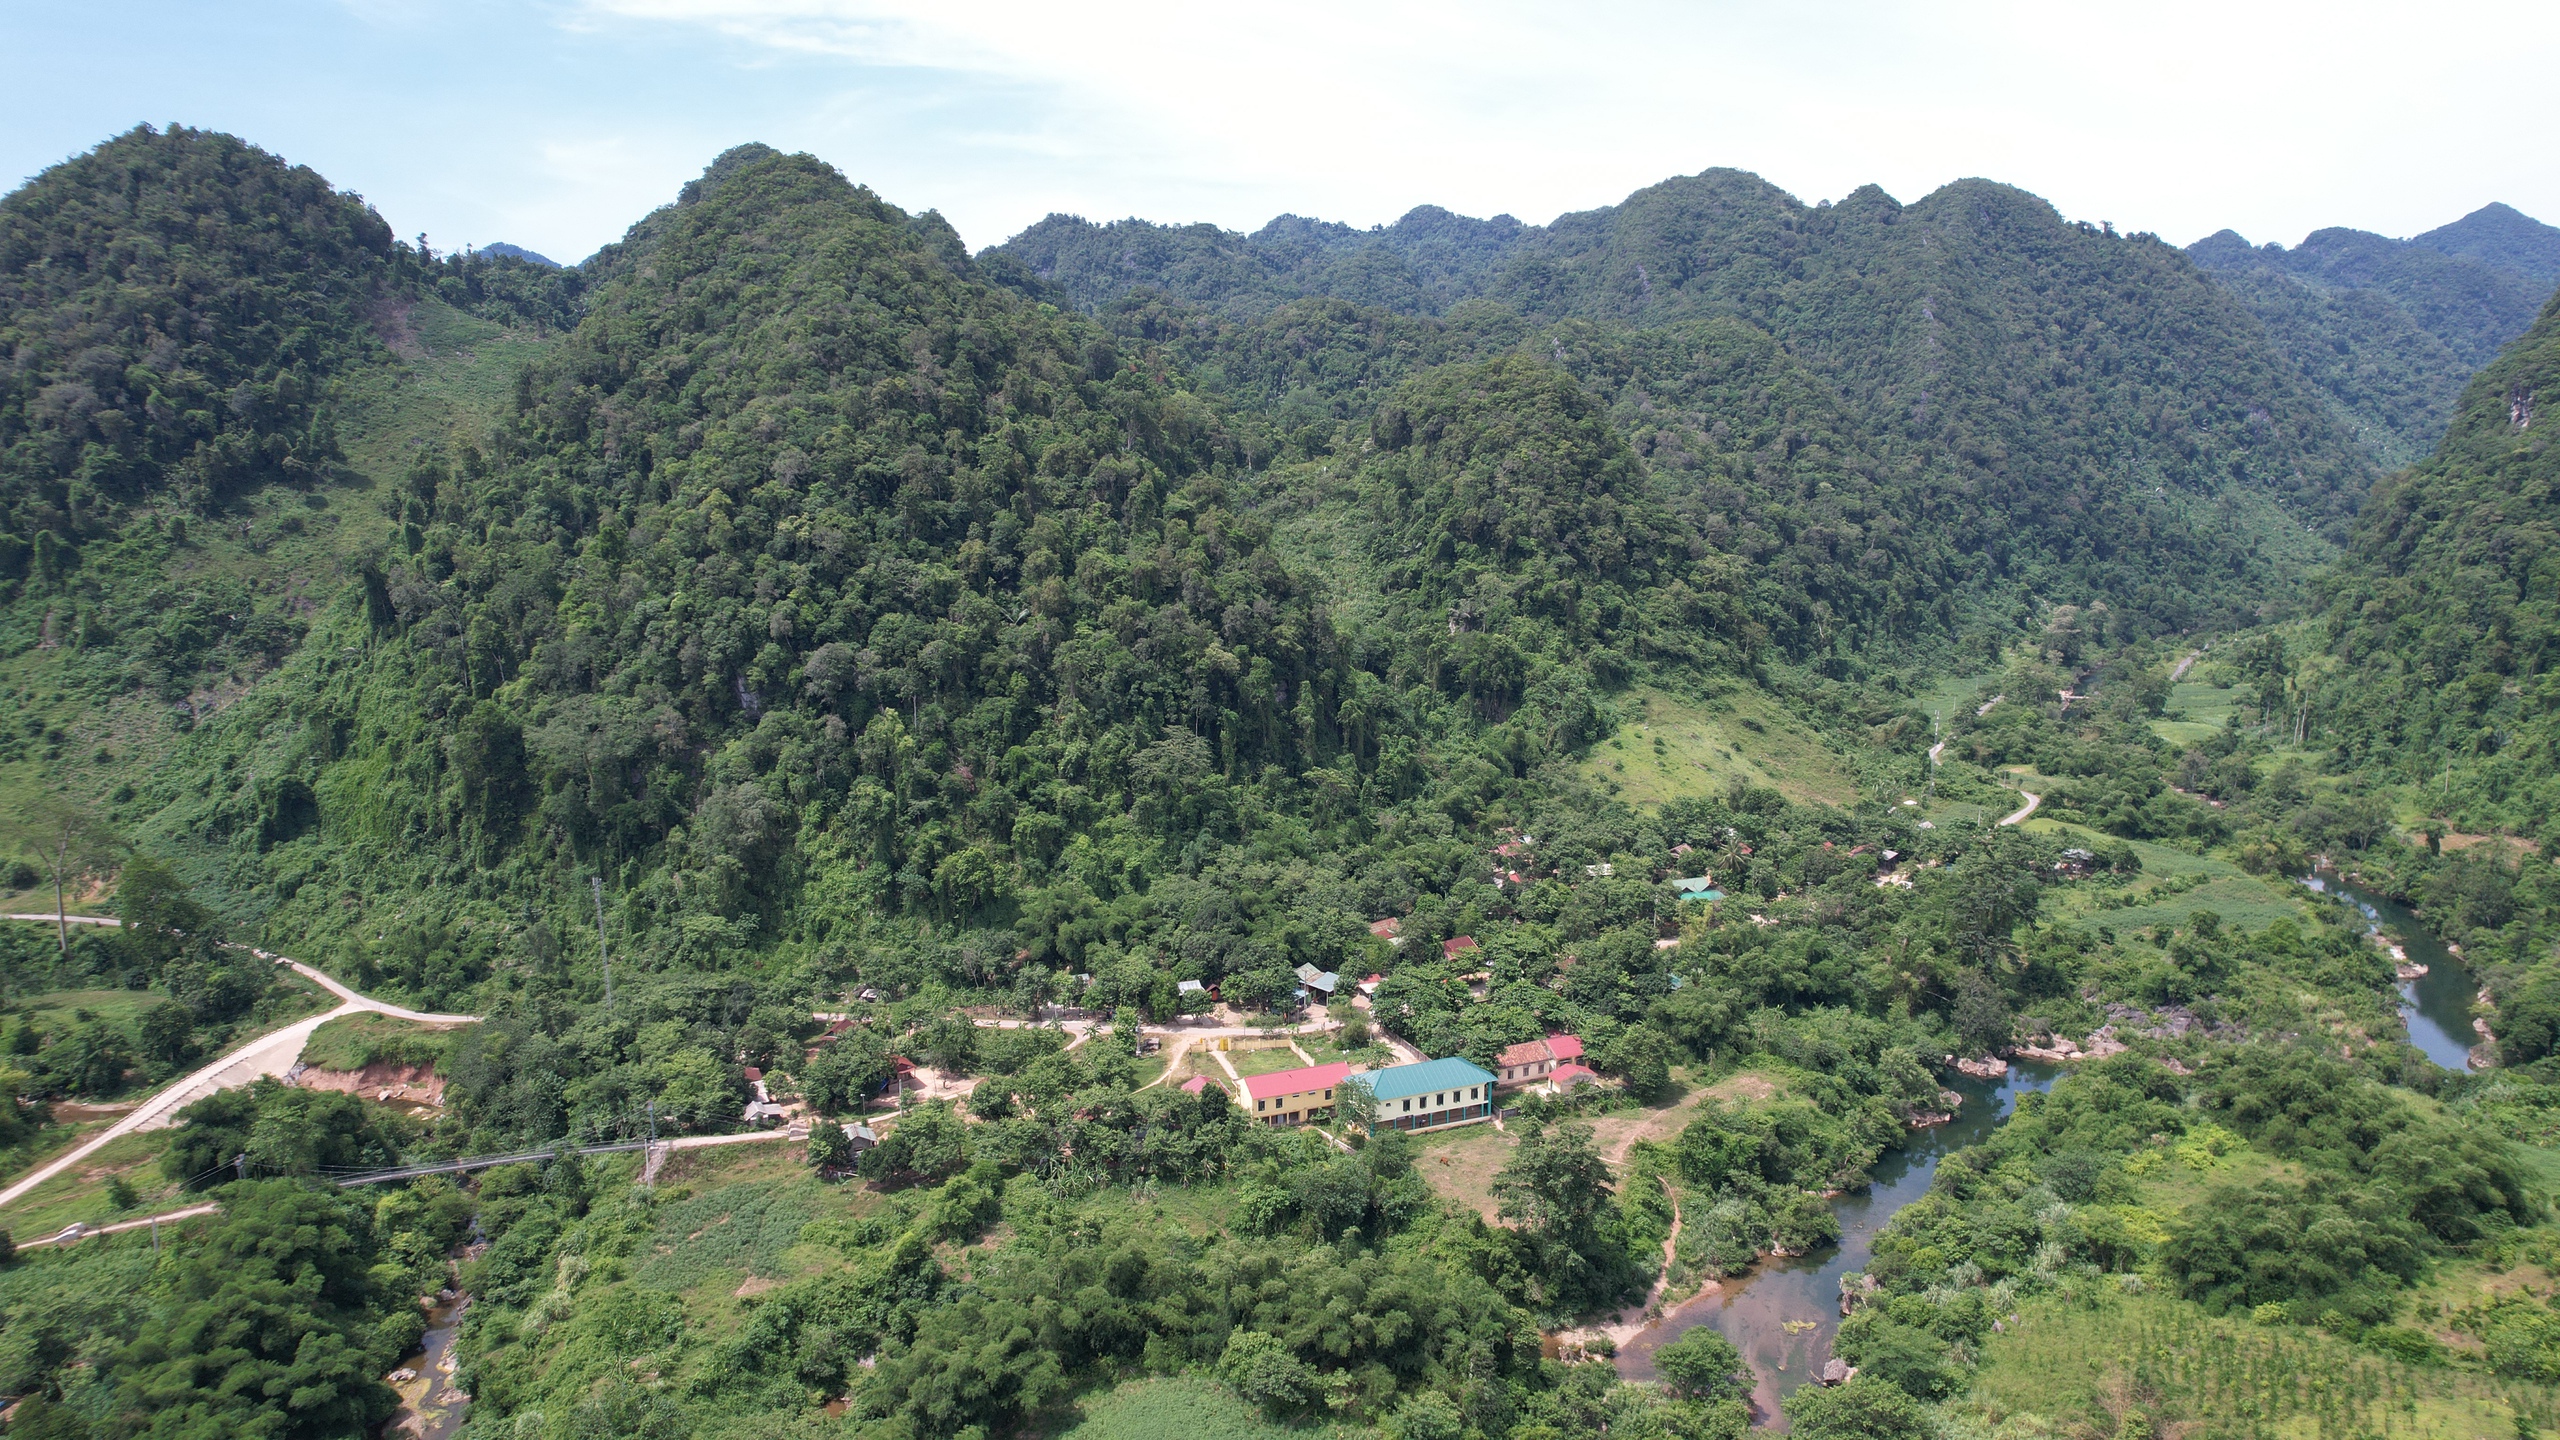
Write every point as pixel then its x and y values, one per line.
pixel 432 1407
pixel 1782 1314
pixel 2436 1005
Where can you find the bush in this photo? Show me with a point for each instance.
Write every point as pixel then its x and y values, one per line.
pixel 1703 1365
pixel 1863 1409
pixel 1263 1370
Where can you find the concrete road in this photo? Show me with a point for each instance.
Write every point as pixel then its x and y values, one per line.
pixel 270 1054
pixel 2023 811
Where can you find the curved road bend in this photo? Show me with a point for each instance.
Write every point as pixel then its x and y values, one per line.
pixel 2023 811
pixel 270 1054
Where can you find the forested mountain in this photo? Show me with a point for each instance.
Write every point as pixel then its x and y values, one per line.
pixel 2441 621
pixel 2391 330
pixel 2502 237
pixel 2036 390
pixel 174 311
pixel 784 653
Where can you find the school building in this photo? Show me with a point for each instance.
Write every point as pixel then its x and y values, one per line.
pixel 1429 1094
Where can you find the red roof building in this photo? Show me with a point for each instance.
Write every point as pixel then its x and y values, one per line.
pixel 1534 1060
pixel 1386 929
pixel 1452 949
pixel 1195 1084
pixel 1292 1097
pixel 1574 1077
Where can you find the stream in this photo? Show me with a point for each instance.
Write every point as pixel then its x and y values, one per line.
pixel 2436 1005
pixel 1782 1314
pixel 432 1407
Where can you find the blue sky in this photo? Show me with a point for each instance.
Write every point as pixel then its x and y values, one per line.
pixel 555 124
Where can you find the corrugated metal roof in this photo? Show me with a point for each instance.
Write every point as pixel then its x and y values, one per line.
pixel 1281 1083
pixel 1398 1081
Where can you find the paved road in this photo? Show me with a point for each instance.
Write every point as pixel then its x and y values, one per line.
pixel 2023 811
pixel 271 1054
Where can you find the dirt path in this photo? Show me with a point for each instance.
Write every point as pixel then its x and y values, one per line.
pixel 270 1054
pixel 1937 750
pixel 86 1231
pixel 2181 672
pixel 2023 811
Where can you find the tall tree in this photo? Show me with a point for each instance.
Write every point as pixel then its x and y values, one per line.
pixel 76 845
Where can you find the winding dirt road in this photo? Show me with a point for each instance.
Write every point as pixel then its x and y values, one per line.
pixel 270 1054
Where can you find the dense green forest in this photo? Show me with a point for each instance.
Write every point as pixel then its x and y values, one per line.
pixel 2390 330
pixel 870 647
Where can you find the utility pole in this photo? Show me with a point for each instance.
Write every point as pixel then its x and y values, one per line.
pixel 597 881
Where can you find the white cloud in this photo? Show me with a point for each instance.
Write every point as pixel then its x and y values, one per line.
pixel 2178 117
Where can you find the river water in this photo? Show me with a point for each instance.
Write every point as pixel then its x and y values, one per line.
pixel 1782 1315
pixel 2436 1005
pixel 432 1407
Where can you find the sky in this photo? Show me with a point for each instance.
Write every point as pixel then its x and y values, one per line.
pixel 554 124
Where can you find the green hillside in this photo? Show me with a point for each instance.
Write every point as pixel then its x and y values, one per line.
pixel 788 657
pixel 2390 330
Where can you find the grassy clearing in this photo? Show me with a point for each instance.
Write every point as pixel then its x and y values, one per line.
pixel 2196 712
pixel 1264 1062
pixel 451 392
pixel 2241 899
pixel 2158 861
pixel 60 1009
pixel 1672 748
pixel 80 1192
pixel 1619 1130
pixel 2098 1363
pixel 46 1143
pixel 1181 1408
pixel 2243 902
pixel 1944 699
pixel 1461 1164
pixel 355 1041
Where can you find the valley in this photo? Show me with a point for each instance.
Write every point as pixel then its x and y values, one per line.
pixel 1690 819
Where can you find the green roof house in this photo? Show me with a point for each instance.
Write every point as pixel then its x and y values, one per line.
pixel 1429 1095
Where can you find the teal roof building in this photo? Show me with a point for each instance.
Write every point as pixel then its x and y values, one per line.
pixel 1429 1094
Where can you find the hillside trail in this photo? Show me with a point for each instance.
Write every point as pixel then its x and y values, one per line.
pixel 273 1053
pixel 2181 672
pixel 2023 811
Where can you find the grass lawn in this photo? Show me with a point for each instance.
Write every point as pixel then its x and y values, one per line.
pixel 1671 748
pixel 1263 1062
pixel 1182 1408
pixel 1147 1068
